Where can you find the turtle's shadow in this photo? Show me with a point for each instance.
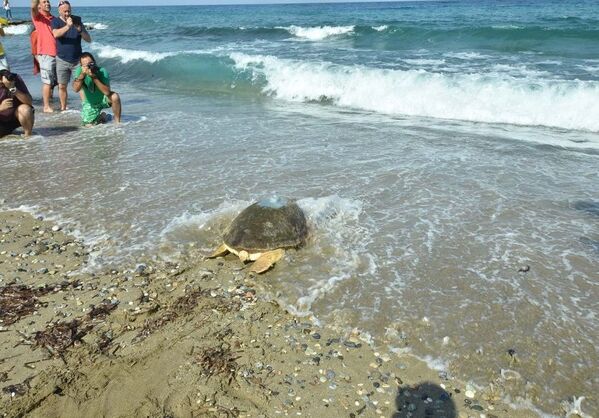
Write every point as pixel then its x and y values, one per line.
pixel 424 400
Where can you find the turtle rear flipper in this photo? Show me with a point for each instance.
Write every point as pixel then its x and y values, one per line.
pixel 220 251
pixel 267 260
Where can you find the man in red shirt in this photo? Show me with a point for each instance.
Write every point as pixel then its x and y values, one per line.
pixel 46 48
pixel 15 104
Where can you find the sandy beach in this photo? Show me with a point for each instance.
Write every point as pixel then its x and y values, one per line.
pixel 196 338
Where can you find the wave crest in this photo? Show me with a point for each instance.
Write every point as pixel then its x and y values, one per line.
pixel 497 96
pixel 22 29
pixel 317 33
pixel 489 97
pixel 128 55
pixel 96 26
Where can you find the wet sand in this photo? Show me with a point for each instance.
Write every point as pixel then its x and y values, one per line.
pixel 189 339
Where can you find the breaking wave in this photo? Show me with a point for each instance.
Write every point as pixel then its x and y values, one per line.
pixel 127 55
pixel 318 33
pixel 480 97
pixel 495 96
pixel 96 25
pixel 22 29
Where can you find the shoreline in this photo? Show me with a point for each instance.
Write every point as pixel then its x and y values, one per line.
pixel 194 338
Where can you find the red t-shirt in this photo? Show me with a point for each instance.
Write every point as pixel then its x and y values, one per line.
pixel 46 43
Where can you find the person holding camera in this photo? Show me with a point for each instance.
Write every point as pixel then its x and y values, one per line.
pixel 15 104
pixel 68 31
pixel 45 48
pixel 95 84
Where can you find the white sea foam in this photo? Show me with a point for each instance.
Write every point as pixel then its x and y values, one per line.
pixel 465 55
pixel 574 408
pixel 96 26
pixel 380 28
pixel 202 220
pixel 317 33
pixel 337 232
pixel 303 305
pixel 489 97
pixel 506 27
pixel 589 68
pixel 128 55
pixel 201 226
pixel 549 62
pixel 423 61
pixel 22 29
pixel 520 71
pixel 433 363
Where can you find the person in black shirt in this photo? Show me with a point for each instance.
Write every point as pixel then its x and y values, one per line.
pixel 15 104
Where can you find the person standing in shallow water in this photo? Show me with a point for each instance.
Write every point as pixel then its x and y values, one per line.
pixel 46 48
pixel 68 31
pixel 94 81
pixel 7 9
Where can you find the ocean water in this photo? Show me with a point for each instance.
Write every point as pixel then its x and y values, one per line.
pixel 436 147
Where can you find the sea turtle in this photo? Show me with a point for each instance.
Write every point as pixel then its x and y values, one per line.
pixel 262 232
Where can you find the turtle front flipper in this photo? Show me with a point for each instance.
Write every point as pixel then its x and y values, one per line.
pixel 220 251
pixel 267 260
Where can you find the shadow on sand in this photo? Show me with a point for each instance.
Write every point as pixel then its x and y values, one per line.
pixel 425 400
pixel 50 131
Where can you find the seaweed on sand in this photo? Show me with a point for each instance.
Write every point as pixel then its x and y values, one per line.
pixel 219 361
pixel 57 338
pixel 101 311
pixel 185 305
pixel 60 336
pixel 152 324
pixel 18 301
pixel 105 342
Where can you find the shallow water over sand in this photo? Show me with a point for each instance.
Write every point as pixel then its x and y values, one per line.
pixel 420 227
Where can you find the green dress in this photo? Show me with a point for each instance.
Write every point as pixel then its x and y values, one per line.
pixel 95 100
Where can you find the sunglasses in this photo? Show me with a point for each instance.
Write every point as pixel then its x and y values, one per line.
pixel 63 2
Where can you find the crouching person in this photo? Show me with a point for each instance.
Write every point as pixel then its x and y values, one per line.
pixel 15 104
pixel 95 83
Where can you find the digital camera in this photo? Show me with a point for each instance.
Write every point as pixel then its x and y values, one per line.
pixel 92 67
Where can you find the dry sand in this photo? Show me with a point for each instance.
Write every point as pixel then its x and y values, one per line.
pixel 192 339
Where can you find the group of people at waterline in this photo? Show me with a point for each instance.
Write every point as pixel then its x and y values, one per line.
pixel 56 46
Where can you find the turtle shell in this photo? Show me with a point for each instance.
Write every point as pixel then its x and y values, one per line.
pixel 268 225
